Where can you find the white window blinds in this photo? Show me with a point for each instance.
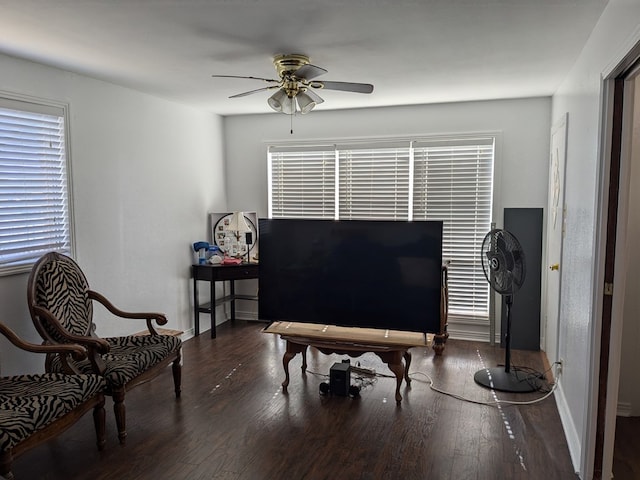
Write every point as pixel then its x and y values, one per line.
pixel 302 183
pixel 34 203
pixel 454 183
pixel 429 179
pixel 374 183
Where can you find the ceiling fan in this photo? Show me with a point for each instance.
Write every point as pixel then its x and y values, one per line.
pixel 296 85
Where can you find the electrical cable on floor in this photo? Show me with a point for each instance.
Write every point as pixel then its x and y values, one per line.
pixel 496 402
pixel 367 380
pixel 533 376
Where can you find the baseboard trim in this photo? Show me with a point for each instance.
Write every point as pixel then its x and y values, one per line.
pixel 245 315
pixel 473 335
pixel 623 409
pixel 570 432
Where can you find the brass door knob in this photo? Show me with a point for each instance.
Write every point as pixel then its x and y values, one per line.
pixel 555 266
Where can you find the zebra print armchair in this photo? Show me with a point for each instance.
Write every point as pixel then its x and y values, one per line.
pixel 61 306
pixel 37 407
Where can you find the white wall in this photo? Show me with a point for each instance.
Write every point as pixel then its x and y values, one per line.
pixel 145 173
pixel 522 156
pixel 580 96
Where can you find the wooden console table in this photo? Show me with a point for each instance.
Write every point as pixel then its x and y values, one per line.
pixel 390 345
pixel 220 273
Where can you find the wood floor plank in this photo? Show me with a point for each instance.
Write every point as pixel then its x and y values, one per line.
pixel 234 422
pixel 626 456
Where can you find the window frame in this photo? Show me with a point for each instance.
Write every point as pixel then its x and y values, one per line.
pixel 27 103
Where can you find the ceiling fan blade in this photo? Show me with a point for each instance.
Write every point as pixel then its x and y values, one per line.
pixel 344 86
pixel 244 94
pixel 308 71
pixel 250 78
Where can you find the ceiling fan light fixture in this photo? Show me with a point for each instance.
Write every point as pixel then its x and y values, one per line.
pixel 289 106
pixel 277 100
pixel 281 102
pixel 307 101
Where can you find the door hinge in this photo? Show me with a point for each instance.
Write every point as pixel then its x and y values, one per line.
pixel 608 288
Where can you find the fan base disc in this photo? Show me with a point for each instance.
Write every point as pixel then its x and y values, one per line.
pixel 512 381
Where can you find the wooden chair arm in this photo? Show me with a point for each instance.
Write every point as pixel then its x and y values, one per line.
pixel 160 318
pixel 91 343
pixel 77 351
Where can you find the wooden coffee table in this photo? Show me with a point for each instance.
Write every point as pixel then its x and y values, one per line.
pixel 390 345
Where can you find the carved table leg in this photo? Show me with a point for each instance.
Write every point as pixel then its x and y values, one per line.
pixel 304 359
pixel 398 369
pixel 394 362
pixel 285 363
pixel 407 364
pixel 438 342
pixel 292 350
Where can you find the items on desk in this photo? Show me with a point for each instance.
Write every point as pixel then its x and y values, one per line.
pixel 216 255
pixel 201 249
pixel 208 253
pixel 231 261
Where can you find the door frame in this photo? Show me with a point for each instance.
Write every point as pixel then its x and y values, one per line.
pixel 612 210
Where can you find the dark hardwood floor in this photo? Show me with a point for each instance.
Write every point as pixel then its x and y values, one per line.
pixel 626 461
pixel 234 422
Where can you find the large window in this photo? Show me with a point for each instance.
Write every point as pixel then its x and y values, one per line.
pixel 448 179
pixel 34 193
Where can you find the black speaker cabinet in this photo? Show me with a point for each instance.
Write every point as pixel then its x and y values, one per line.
pixel 526 225
pixel 340 379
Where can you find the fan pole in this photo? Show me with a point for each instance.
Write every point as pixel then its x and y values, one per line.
pixel 505 380
pixel 507 337
pixel 492 298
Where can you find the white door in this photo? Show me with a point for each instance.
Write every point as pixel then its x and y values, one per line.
pixel 555 234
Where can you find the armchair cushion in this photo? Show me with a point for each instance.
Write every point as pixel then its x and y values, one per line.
pixel 63 289
pixel 128 357
pixel 31 402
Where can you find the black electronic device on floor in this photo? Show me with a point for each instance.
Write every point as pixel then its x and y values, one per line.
pixel 340 378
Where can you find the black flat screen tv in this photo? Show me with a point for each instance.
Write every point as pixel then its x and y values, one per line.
pixel 356 273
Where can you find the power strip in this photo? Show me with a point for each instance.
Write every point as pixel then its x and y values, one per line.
pixel 363 370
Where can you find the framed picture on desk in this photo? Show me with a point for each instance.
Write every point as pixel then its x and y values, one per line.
pixel 232 243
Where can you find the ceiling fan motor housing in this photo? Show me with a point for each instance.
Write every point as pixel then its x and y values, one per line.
pixel 288 64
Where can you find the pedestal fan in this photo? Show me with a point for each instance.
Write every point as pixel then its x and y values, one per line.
pixel 503 263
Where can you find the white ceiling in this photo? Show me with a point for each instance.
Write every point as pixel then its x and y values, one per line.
pixel 413 51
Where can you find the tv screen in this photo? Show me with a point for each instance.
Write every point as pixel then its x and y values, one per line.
pixel 357 273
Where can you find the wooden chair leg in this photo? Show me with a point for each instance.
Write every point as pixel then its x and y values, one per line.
pixel 120 410
pixel 99 422
pixel 177 375
pixel 6 460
